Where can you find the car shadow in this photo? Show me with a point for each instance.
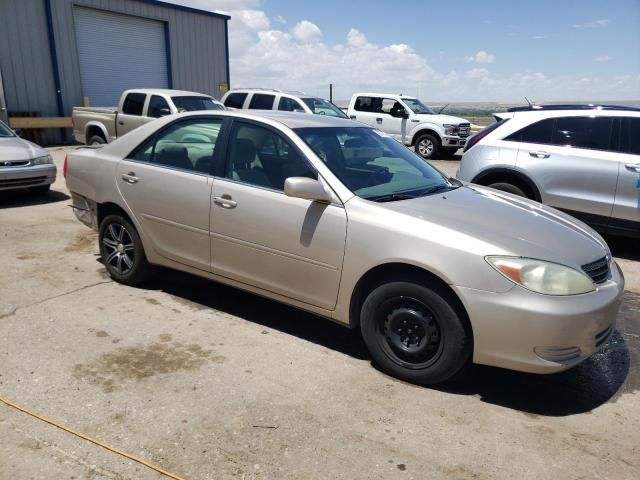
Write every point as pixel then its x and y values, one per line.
pixel 25 198
pixel 624 247
pixel 579 390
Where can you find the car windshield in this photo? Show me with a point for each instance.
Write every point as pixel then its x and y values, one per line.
pixel 5 131
pixel 193 104
pixel 373 165
pixel 417 106
pixel 320 106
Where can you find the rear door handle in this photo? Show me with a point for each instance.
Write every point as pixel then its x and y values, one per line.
pixel 540 154
pixel 352 117
pixel 378 120
pixel 225 201
pixel 634 167
pixel 120 123
pixel 130 177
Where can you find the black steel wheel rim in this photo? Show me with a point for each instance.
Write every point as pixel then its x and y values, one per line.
pixel 119 249
pixel 409 332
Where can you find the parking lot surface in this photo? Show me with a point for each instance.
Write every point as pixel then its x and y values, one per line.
pixel 209 382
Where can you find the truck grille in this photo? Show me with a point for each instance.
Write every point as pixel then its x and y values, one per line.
pixel 464 129
pixel 598 270
pixel 14 163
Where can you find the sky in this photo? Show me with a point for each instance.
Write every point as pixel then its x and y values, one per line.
pixel 462 51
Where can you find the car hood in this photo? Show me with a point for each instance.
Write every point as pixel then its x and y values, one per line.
pixel 440 119
pixel 508 224
pixel 15 148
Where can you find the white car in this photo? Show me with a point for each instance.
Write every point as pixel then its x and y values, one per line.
pixel 411 122
pixel 271 99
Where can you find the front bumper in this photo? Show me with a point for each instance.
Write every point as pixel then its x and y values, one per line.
pixel 530 332
pixel 453 141
pixel 12 178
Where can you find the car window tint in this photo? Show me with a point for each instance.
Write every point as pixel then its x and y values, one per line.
pixel 156 105
pixel 235 100
pixel 583 132
pixel 289 105
pixel 133 103
pixel 187 145
pixel 539 132
pixel 261 101
pixel 365 104
pixel 259 156
pixel 630 137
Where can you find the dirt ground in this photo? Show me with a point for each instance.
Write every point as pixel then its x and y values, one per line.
pixel 209 382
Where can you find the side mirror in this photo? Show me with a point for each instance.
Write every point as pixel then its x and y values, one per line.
pixel 164 112
pixel 400 114
pixel 307 188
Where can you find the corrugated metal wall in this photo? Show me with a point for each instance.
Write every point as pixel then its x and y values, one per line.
pixel 196 42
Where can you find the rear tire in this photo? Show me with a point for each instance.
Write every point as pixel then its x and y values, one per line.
pixel 96 140
pixel 415 332
pixel 122 251
pixel 427 146
pixel 509 188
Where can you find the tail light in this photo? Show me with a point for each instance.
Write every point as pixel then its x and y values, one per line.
pixel 474 139
pixel 64 167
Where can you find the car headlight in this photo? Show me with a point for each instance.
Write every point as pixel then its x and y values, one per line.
pixel 542 277
pixel 450 129
pixel 43 160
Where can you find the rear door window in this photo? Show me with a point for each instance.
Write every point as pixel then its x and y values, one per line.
pixel 583 132
pixel 235 100
pixel 262 101
pixel 539 132
pixel 156 106
pixel 630 136
pixel 134 103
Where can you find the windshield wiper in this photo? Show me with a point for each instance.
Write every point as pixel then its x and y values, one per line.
pixel 392 197
pixel 437 188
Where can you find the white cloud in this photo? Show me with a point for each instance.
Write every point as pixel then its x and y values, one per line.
pixel 356 38
pixel 477 73
pixel 280 19
pixel 306 32
pixel 540 37
pixel 481 57
pixel 603 22
pixel 602 58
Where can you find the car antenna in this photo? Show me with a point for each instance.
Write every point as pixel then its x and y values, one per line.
pixel 532 106
pixel 442 109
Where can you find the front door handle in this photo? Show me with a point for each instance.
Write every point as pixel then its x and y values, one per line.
pixel 378 120
pixel 540 154
pixel 120 123
pixel 225 201
pixel 130 177
pixel 352 117
pixel 634 167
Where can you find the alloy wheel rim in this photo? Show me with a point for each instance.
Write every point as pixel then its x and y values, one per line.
pixel 410 333
pixel 119 248
pixel 425 147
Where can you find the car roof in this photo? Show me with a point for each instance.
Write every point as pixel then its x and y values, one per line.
pixel 386 95
pixel 168 91
pixel 289 119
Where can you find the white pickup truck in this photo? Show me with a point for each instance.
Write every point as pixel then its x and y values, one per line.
pixel 411 122
pixel 97 125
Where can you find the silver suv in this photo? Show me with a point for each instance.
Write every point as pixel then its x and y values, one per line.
pixel 284 101
pixel 582 159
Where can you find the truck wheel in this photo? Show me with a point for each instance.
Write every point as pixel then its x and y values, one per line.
pixel 122 251
pixel 427 146
pixel 509 188
pixel 415 332
pixel 96 140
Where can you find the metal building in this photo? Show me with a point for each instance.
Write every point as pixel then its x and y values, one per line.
pixel 55 52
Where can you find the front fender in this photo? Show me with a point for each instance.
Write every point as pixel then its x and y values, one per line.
pixel 418 128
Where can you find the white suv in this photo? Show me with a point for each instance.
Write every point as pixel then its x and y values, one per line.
pixel 583 159
pixel 271 99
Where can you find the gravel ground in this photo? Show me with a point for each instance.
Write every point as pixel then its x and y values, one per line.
pixel 213 383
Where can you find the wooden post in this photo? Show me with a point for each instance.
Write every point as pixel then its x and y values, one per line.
pixel 85 101
pixel 331 92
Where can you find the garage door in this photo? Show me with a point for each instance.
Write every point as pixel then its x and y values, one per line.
pixel 118 52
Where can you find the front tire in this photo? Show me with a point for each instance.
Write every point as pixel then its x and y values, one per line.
pixel 122 251
pixel 415 332
pixel 509 188
pixel 427 146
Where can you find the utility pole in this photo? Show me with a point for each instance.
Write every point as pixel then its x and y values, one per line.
pixel 331 92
